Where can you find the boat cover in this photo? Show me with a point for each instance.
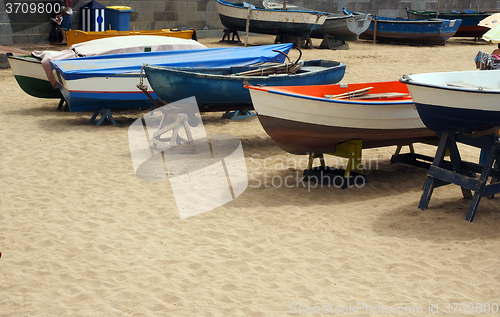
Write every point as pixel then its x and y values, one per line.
pixel 109 65
pixel 114 45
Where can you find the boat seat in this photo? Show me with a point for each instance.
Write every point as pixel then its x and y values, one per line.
pixel 311 68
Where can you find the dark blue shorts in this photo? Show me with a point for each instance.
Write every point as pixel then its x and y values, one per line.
pixel 66 22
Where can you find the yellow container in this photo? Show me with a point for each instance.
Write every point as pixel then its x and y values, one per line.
pixel 119 8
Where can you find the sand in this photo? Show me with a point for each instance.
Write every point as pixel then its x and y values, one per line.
pixel 81 235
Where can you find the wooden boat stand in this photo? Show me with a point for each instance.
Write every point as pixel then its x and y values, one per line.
pixel 238 114
pixel 413 158
pixel 63 105
pixel 331 43
pixel 352 150
pixel 105 116
pixel 463 173
pixel 227 35
pixel 297 41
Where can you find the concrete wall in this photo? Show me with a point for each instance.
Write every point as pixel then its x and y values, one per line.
pixel 23 28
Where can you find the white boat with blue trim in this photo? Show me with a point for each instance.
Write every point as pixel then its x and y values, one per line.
pixel 457 102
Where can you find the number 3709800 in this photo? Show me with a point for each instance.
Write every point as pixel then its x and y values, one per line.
pixel 32 7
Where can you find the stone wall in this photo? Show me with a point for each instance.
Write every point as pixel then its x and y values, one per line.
pixel 25 27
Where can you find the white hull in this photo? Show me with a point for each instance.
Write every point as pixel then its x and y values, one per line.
pixel 336 113
pixel 450 89
pixel 271 15
pixel 28 68
pixel 457 102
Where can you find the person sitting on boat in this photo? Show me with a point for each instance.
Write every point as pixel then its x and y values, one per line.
pixel 67 16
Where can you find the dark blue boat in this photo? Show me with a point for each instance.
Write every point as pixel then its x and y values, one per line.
pixel 421 32
pixel 470 20
pixel 218 89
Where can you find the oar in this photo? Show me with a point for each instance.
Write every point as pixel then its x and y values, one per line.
pixel 350 94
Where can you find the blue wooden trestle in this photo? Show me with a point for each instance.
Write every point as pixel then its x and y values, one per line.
pixel 462 173
pixel 105 117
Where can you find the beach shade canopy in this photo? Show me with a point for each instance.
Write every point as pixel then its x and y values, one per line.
pixel 491 21
pixel 492 35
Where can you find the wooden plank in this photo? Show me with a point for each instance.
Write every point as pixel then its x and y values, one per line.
pixel 350 93
pixel 381 95
pixel 454 178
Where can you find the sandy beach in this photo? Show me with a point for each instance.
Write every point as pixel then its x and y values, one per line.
pixel 81 235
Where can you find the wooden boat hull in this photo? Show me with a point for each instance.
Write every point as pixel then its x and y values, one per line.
pixel 468 28
pixel 77 36
pixel 301 121
pixel 343 27
pixel 457 108
pixel 267 21
pixel 423 32
pixel 215 88
pixel 31 77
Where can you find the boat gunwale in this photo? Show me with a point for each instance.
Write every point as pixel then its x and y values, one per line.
pixel 451 88
pixel 278 91
pixel 24 58
pixel 193 73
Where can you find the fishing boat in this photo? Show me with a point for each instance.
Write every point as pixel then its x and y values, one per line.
pixel 315 119
pixel 291 23
pixel 77 36
pixel 470 20
pixel 343 27
pixel 457 102
pixel 400 30
pixel 222 88
pixel 110 82
pixel 34 74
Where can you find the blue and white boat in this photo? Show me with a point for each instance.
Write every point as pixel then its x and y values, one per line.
pixel 422 32
pixel 457 102
pixel 110 82
pixel 223 88
pixel 293 23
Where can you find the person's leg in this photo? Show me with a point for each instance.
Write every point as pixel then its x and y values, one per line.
pixel 65 25
pixel 63 34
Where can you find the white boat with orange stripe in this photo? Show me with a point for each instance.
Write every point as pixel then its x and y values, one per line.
pixel 315 119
